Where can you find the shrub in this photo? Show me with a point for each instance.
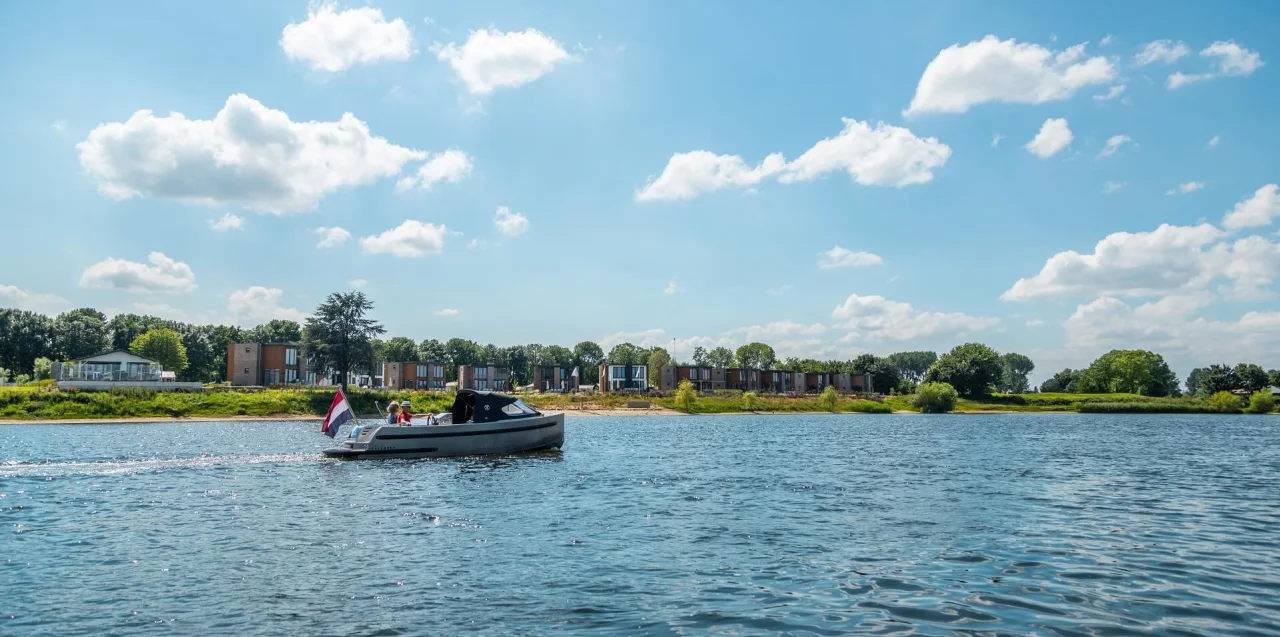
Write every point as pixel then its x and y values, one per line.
pixel 686 396
pixel 751 401
pixel 935 398
pixel 829 398
pixel 1225 402
pixel 1262 402
pixel 21 379
pixel 869 407
pixel 1150 407
pixel 42 368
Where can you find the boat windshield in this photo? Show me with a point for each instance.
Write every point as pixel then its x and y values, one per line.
pixel 518 408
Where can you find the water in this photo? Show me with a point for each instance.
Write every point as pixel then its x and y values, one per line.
pixel 804 525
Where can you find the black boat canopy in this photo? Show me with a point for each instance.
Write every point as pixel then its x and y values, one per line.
pixel 485 406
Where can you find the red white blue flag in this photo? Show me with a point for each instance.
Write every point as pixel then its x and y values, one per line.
pixel 339 412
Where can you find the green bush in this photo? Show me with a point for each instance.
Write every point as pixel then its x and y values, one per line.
pixel 1225 402
pixel 829 399
pixel 751 401
pixel 1150 407
pixel 686 396
pixel 1262 402
pixel 869 407
pixel 935 398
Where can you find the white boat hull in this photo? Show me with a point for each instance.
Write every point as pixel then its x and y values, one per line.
pixel 517 435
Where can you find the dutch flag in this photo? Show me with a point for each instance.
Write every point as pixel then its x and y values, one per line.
pixel 339 412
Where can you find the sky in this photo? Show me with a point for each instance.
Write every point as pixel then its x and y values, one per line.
pixel 831 178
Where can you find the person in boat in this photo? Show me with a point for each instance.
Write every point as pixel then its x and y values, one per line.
pixel 393 413
pixel 406 413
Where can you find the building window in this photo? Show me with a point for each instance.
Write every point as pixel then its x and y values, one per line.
pixel 246 350
pixel 437 371
pixel 618 372
pixel 246 370
pixel 291 357
pixel 290 375
pixel 637 372
pixel 422 371
pixel 693 374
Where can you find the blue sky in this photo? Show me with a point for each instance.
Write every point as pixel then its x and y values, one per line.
pixel 560 201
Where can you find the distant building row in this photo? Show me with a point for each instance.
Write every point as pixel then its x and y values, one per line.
pixel 704 379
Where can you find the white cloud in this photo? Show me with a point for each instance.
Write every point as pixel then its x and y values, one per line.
pixel 333 41
pixel 1185 188
pixel 1112 93
pixel 491 59
pixel 163 275
pixel 1054 135
pixel 780 290
pixel 247 155
pixel 511 224
pixel 1257 210
pixel 1167 260
pixel 171 313
pixel 448 311
pixel 451 165
pixel 1106 39
pixel 673 287
pixel 1166 51
pixel 257 304
pixel 15 297
pixel 995 141
pixel 357 283
pixel 643 338
pixel 227 223
pixel 331 237
pixel 880 319
pixel 839 257
pixel 772 332
pixel 1230 59
pixel 1113 144
pixel 1113 186
pixel 994 70
pixel 407 240
pixel 59 126
pixel 1034 323
pixel 477 242
pixel 1213 141
pixel 881 156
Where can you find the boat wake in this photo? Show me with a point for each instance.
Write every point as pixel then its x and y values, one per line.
pixel 41 469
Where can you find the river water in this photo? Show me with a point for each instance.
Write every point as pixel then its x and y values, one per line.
pixel 803 525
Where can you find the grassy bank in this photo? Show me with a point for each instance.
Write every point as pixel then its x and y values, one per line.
pixel 47 403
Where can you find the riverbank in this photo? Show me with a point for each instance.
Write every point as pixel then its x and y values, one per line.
pixel 46 404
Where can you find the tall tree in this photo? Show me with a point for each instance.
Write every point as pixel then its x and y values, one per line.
pixel 1252 377
pixel 756 356
pixel 720 357
pixel 588 356
pixel 700 356
pixel 1132 371
pixel 163 346
pixel 1273 377
pixel 338 336
pixel 80 333
pixel 276 331
pixel 1065 381
pixel 1195 380
pixel 658 358
pixel 558 355
pixel 433 351
pixel 125 328
pixel 973 369
pixel 24 337
pixel 884 374
pixel 913 365
pixel 461 352
pixel 516 359
pixel 1016 369
pixel 400 349
pixel 625 354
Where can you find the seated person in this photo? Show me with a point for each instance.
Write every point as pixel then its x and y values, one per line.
pixel 393 413
pixel 406 413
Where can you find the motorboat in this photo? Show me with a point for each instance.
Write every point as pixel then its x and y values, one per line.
pixel 480 423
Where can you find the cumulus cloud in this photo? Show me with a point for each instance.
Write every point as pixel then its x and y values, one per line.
pixel 771 332
pixel 1113 186
pixel 994 70
pixel 880 319
pixel 331 237
pixel 1228 58
pixel 881 156
pixel 257 304
pixel 1257 210
pixel 332 40
pixel 162 275
pixel 1054 135
pixel 357 283
pixel 1113 144
pixel 1112 93
pixel 1213 141
pixel 451 165
pixel 408 240
pixel 643 338
pixel 839 257
pixel 1185 188
pixel 247 155
pixel 673 287
pixel 1166 51
pixel 491 59
pixel 14 297
pixel 448 311
pixel 995 140
pixel 511 224
pixel 227 223
pixel 1168 260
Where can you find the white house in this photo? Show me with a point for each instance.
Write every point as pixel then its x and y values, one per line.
pixel 116 369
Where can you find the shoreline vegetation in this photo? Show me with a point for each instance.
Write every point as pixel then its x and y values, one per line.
pixel 44 403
